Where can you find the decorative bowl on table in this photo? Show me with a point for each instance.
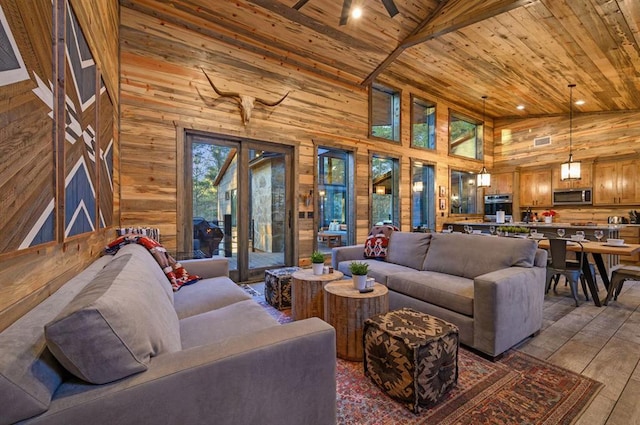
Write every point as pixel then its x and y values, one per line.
pixel 578 238
pixel 615 241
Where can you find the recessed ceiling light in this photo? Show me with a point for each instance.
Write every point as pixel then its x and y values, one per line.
pixel 356 12
pixel 520 107
pixel 580 102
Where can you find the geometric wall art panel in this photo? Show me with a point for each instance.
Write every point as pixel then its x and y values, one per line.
pixel 105 170
pixel 27 181
pixel 80 134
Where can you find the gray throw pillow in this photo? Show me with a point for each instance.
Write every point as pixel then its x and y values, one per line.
pixel 115 324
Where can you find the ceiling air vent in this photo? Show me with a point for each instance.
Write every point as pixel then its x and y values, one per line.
pixel 541 141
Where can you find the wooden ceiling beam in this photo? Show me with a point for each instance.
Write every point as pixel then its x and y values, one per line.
pixel 449 16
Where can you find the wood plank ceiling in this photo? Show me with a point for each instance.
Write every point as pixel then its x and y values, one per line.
pixel 514 51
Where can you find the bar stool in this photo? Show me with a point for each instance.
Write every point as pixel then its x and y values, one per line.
pixel 618 276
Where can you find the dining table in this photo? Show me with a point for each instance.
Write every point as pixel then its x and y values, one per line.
pixel 597 250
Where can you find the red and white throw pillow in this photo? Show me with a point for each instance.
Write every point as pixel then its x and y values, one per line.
pixel 378 241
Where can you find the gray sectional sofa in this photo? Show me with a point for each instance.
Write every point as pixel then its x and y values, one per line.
pixel 121 347
pixel 492 288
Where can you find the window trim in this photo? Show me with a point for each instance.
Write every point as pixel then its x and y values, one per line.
pixel 477 206
pixel 413 99
pixel 378 86
pixel 436 198
pixel 479 135
pixel 396 185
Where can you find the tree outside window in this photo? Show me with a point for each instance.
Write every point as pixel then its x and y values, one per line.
pixel 465 136
pixel 384 116
pixel 423 123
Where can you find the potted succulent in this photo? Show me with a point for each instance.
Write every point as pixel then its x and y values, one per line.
pixel 317 262
pixel 359 272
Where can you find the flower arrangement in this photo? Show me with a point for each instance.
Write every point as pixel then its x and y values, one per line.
pixel 549 213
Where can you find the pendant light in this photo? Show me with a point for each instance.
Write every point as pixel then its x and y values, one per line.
pixel 484 178
pixel 570 170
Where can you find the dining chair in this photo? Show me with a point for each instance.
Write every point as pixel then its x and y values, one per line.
pixel 618 276
pixel 571 270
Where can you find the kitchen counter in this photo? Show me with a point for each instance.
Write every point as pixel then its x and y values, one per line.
pixel 610 230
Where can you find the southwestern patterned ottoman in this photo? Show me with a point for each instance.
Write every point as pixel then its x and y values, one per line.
pixel 411 356
pixel 277 287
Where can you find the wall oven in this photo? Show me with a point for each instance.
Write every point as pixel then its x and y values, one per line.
pixel 495 203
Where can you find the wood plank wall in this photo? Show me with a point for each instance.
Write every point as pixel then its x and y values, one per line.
pixel 163 93
pixel 35 273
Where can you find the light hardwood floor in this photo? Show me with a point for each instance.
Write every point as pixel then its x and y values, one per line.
pixel 600 342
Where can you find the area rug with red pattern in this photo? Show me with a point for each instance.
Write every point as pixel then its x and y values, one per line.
pixel 517 389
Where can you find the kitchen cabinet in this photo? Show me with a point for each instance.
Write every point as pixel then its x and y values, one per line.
pixel 535 188
pixel 585 181
pixel 501 183
pixel 616 182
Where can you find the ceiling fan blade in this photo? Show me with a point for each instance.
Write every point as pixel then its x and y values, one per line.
pixel 391 7
pixel 346 9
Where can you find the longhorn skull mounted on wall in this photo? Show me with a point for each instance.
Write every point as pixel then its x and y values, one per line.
pixel 246 102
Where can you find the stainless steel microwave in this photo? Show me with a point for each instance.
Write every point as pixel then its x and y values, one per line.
pixel 572 196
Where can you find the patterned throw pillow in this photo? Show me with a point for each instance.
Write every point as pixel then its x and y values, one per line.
pixel 174 271
pixel 378 241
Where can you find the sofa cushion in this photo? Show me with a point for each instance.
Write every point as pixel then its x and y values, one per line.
pixel 29 374
pixel 379 270
pixel 408 248
pixel 454 293
pixel 150 264
pixel 115 325
pixel 175 272
pixel 208 294
pixel 474 255
pixel 235 320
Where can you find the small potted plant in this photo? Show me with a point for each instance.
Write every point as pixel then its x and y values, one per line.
pixel 359 272
pixel 317 262
pixel 548 216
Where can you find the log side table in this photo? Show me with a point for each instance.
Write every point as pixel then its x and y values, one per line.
pixel 346 309
pixel 306 293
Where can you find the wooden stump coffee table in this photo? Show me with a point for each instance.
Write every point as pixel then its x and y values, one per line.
pixel 307 299
pixel 346 309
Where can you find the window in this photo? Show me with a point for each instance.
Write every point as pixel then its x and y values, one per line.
pixel 385 201
pixel 423 124
pixel 465 136
pixel 463 192
pixel 384 112
pixel 423 198
pixel 335 186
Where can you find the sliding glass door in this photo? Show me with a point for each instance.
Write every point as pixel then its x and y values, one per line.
pixel 238 197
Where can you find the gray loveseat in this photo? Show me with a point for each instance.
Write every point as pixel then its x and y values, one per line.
pixel 491 288
pixel 207 354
